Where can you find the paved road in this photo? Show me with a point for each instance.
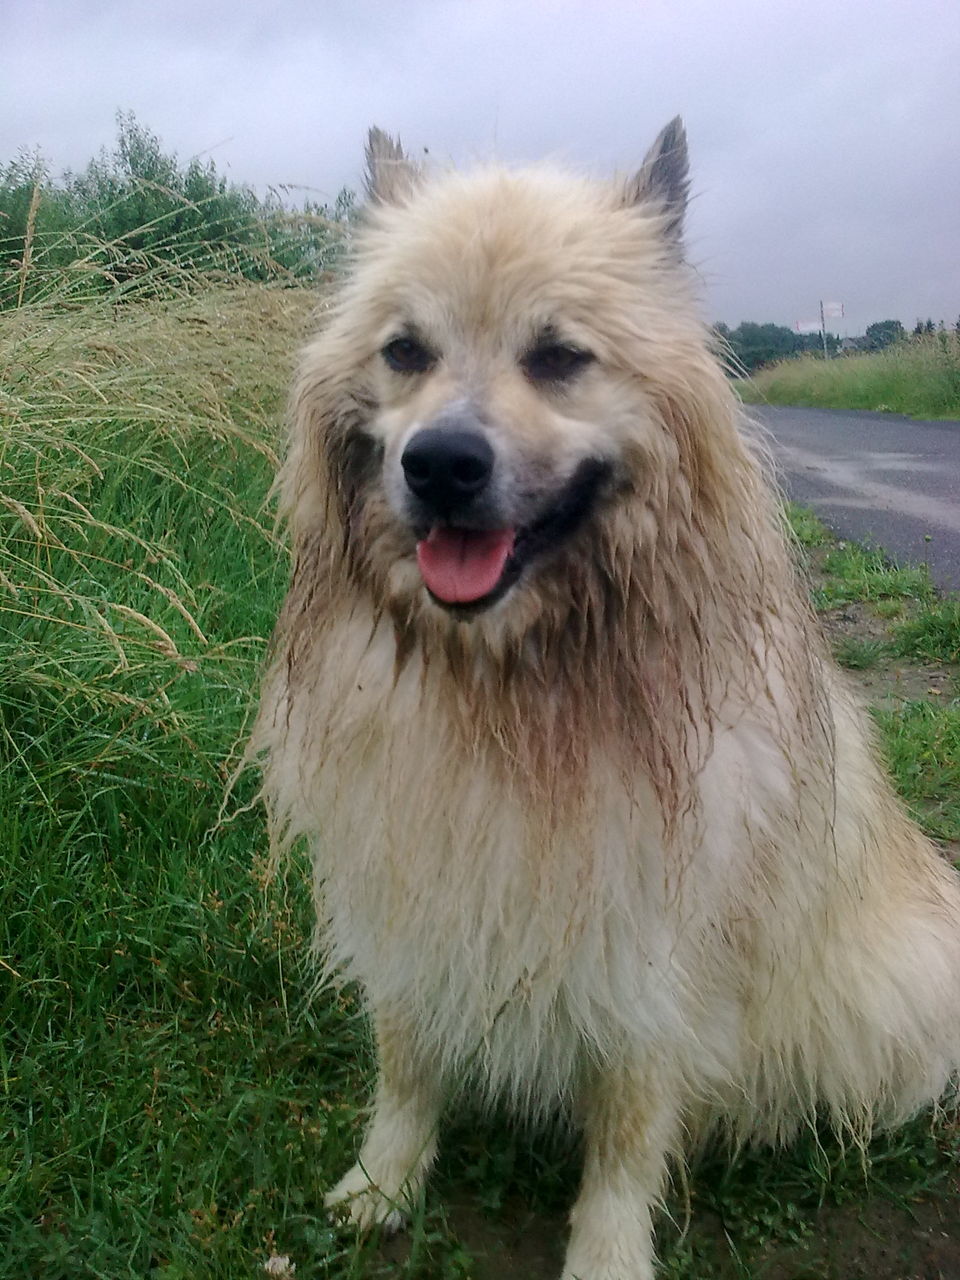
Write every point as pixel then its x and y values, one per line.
pixel 890 481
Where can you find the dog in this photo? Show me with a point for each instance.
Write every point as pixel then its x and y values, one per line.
pixel 597 827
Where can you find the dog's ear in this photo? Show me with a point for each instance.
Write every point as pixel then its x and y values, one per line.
pixel 390 176
pixel 663 178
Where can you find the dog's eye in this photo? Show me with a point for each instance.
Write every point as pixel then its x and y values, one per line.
pixel 554 362
pixel 407 355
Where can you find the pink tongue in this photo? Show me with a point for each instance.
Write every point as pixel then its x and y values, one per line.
pixel 460 566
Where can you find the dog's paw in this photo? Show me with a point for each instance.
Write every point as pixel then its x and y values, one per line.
pixel 605 1271
pixel 357 1198
pixel 611 1258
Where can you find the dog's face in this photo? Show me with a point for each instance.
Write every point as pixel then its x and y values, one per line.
pixel 494 417
pixel 501 345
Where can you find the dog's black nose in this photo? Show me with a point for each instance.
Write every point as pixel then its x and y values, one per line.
pixel 446 467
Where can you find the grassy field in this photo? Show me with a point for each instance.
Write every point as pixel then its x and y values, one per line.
pixel 902 641
pixel 918 378
pixel 174 1102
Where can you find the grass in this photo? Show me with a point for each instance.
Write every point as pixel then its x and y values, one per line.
pixel 922 739
pixel 850 571
pixel 919 738
pixel 858 654
pixel 921 742
pixel 175 1103
pixel 932 634
pixel 154 1074
pixel 854 572
pixel 806 529
pixel 919 378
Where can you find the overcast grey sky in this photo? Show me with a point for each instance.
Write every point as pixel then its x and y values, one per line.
pixel 824 135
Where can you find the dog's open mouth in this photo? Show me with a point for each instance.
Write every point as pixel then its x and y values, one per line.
pixel 461 566
pixel 469 569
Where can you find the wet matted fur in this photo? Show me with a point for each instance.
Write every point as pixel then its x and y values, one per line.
pixel 596 824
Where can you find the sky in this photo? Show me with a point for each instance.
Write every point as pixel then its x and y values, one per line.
pixel 824 135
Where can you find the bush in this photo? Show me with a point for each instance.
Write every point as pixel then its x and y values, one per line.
pixel 134 214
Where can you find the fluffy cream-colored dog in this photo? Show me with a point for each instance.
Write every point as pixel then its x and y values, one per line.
pixel 596 826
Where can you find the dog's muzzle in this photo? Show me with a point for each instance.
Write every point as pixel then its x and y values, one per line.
pixel 470 549
pixel 447 468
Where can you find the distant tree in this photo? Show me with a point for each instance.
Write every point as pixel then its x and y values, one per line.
pixel 918 328
pixel 755 345
pixel 883 333
pixel 956 327
pixel 138 200
pixel 860 344
pixel 929 327
pixel 812 344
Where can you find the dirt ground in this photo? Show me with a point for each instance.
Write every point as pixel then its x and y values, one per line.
pixel 871 1237
pixel 873 1240
pixel 875 1237
pixel 891 679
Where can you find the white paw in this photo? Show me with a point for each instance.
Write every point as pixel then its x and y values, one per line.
pixel 607 1271
pixel 356 1198
pixel 613 1257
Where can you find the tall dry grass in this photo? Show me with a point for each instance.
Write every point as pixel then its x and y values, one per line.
pixel 136 447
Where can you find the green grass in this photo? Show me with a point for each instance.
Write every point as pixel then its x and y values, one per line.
pixel 932 634
pixel 174 1103
pixel 921 741
pixel 918 378
pixel 850 571
pixel 854 572
pixel 136 219
pixel 858 654
pixel 159 1062
pixel 889 608
pixel 806 528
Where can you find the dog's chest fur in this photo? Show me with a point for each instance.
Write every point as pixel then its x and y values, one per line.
pixel 520 945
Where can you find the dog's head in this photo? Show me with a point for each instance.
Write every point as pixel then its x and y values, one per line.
pixel 510 365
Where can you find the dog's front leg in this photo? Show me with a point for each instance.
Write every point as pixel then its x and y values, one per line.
pixel 401 1139
pixel 631 1124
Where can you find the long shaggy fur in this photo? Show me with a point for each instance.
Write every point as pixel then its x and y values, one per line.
pixel 619 843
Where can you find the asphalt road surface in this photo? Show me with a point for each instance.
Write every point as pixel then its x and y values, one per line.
pixel 875 477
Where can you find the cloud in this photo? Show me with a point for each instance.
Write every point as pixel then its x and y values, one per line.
pixel 822 134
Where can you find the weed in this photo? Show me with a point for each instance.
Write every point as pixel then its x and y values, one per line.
pixel 859 654
pixel 135 220
pixel 887 609
pixel 932 634
pixel 849 571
